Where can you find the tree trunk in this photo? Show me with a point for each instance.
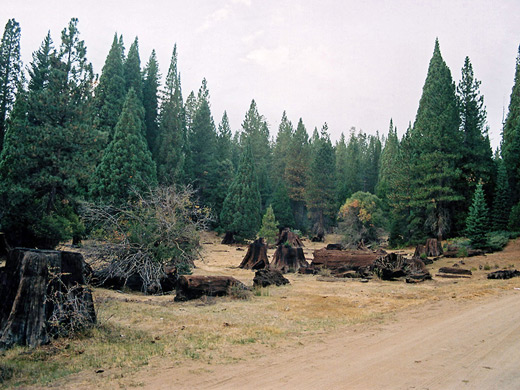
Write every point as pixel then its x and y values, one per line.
pixel 43 295
pixel 341 261
pixel 256 256
pixel 433 248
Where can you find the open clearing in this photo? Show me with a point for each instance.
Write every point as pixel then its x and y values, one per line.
pixel 441 334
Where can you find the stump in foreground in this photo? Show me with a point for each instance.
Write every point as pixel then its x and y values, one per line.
pixel 44 294
pixel 432 248
pixel 288 237
pixel 197 286
pixel 256 256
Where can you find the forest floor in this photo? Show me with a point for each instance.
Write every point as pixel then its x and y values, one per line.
pixel 313 333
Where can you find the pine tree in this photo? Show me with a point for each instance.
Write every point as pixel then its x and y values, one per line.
pixel 477 221
pixel 353 177
pixel 511 137
pixel 151 85
pixel 320 189
pixel 132 71
pixel 242 207
pixel 477 163
pixel 224 139
pixel 342 189
pixel 47 158
pixel 282 206
pixel 501 200
pixel 296 174
pixel 127 163
pixel 281 147
pixel 269 228
pixel 110 92
pixel 435 143
pixel 389 165
pixel 203 148
pixel 255 131
pixel 10 72
pixel 168 152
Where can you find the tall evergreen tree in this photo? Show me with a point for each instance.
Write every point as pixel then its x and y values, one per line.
pixel 241 211
pixel 282 206
pixel 224 139
pixel 10 72
pixel 151 85
pixel 477 220
pixel 296 173
pixel 281 147
pixel 169 147
pixel 320 189
pixel 353 177
pixel 501 200
pixel 132 71
pixel 477 162
pixel 110 92
pixel 511 137
pixel 389 164
pixel 46 159
pixel 342 189
pixel 255 131
pixel 127 163
pixel 436 149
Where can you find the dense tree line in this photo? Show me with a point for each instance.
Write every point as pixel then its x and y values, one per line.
pixel 67 135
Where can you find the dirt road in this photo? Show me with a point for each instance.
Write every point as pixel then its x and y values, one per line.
pixel 445 345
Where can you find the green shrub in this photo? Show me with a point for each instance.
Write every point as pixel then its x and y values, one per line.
pixel 462 252
pixel 496 241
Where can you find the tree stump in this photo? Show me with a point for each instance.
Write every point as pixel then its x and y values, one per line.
pixel 268 277
pixel 196 286
pixel 432 248
pixel 229 238
pixel 393 266
pixel 288 259
pixel 504 274
pixel 289 237
pixel 43 295
pixel 256 256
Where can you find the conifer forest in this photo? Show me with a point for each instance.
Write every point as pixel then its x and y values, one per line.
pixel 71 135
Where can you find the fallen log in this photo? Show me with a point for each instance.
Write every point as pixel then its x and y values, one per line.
pixel 455 271
pixel 288 259
pixel 196 286
pixel 504 274
pixel 342 261
pixel 452 276
pixel 44 295
pixel 256 256
pixel 269 277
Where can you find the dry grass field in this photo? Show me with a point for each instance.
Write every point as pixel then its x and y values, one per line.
pixel 140 336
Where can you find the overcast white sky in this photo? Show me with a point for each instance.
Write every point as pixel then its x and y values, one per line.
pixel 347 63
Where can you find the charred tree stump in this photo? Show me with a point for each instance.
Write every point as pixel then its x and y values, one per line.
pixel 288 259
pixel 287 237
pixel 268 277
pixel 393 266
pixel 196 286
pixel 432 248
pixel 256 256
pixel 44 294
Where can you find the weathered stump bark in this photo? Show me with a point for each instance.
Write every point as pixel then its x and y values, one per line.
pixel 432 248
pixel 504 274
pixel 43 295
pixel 289 237
pixel 256 256
pixel 343 261
pixel 196 286
pixel 393 266
pixel 268 277
pixel 288 259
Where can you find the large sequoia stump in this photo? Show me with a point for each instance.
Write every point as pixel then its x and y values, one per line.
pixel 288 259
pixel 43 294
pixel 432 248
pixel 342 261
pixel 196 286
pixel 256 256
